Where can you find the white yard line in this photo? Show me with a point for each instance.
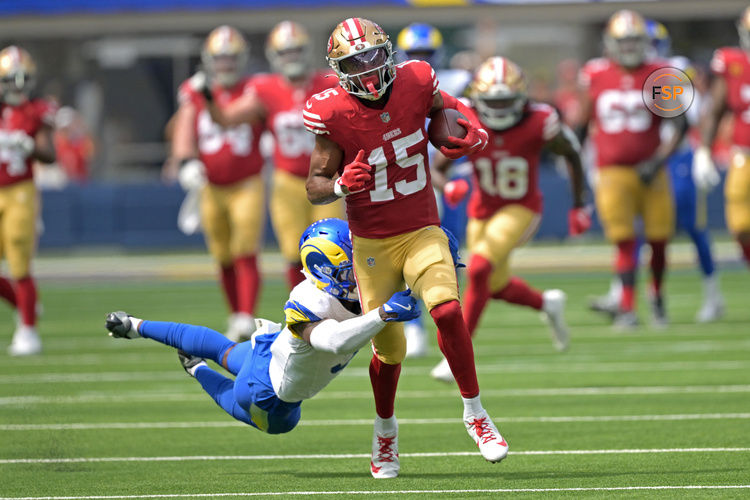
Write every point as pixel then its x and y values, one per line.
pixel 332 456
pixel 396 492
pixel 141 396
pixel 368 422
pixel 512 367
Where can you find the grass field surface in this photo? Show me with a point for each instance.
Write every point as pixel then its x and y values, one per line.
pixel 653 413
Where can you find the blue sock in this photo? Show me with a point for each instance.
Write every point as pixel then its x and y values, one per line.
pixel 702 243
pixel 195 340
pixel 221 389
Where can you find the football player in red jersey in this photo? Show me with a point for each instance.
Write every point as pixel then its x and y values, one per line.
pixel 371 149
pixel 223 165
pixel 630 157
pixel 26 126
pixel 730 91
pixel 278 101
pixel 506 202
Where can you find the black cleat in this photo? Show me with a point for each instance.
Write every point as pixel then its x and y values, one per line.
pixel 120 325
pixel 189 361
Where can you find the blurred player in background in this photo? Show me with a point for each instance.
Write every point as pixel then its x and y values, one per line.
pixel 222 166
pixel 371 149
pixel 690 203
pixel 630 158
pixel 26 128
pixel 280 367
pixel 506 202
pixel 278 100
pixel 730 91
pixel 73 144
pixel 423 42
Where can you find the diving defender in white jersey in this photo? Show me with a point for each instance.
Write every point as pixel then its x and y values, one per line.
pixel 279 367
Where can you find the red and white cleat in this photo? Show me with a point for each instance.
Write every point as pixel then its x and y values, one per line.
pixel 384 462
pixel 484 433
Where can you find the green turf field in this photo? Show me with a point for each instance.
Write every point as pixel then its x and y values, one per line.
pixel 660 414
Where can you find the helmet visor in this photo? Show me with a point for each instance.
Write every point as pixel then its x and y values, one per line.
pixel 364 62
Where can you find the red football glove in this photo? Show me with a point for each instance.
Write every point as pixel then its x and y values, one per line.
pixel 354 177
pixel 579 220
pixel 455 191
pixel 475 140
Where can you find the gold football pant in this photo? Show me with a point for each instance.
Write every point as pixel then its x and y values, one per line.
pixel 496 237
pixel 620 196
pixel 19 205
pixel 737 194
pixel 233 218
pixel 291 212
pixel 421 259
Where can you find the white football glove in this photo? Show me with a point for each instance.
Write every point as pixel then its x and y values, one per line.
pixel 199 81
pixel 19 141
pixel 705 175
pixel 192 175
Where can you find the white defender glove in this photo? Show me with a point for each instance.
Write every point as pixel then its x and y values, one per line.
pixel 705 175
pixel 192 175
pixel 199 81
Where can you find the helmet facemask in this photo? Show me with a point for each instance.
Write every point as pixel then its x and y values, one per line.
pixel 225 69
pixel 501 110
pixel 366 74
pixel 293 63
pixel 16 87
pixel 628 51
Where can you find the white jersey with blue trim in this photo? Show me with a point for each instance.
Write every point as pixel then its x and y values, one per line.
pixel 297 370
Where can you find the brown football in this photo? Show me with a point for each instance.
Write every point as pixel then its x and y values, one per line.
pixel 444 124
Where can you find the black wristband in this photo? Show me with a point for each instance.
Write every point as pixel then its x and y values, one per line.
pixel 206 91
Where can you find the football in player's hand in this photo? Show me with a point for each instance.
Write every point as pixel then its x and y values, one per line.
pixel 444 124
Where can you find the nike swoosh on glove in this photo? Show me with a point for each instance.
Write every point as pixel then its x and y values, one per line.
pixel 354 176
pixel 475 140
pixel 401 307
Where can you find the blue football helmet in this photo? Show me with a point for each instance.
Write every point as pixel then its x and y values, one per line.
pixel 325 250
pixel 660 39
pixel 421 41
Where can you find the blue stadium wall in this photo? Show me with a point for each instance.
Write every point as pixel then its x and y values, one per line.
pixel 145 216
